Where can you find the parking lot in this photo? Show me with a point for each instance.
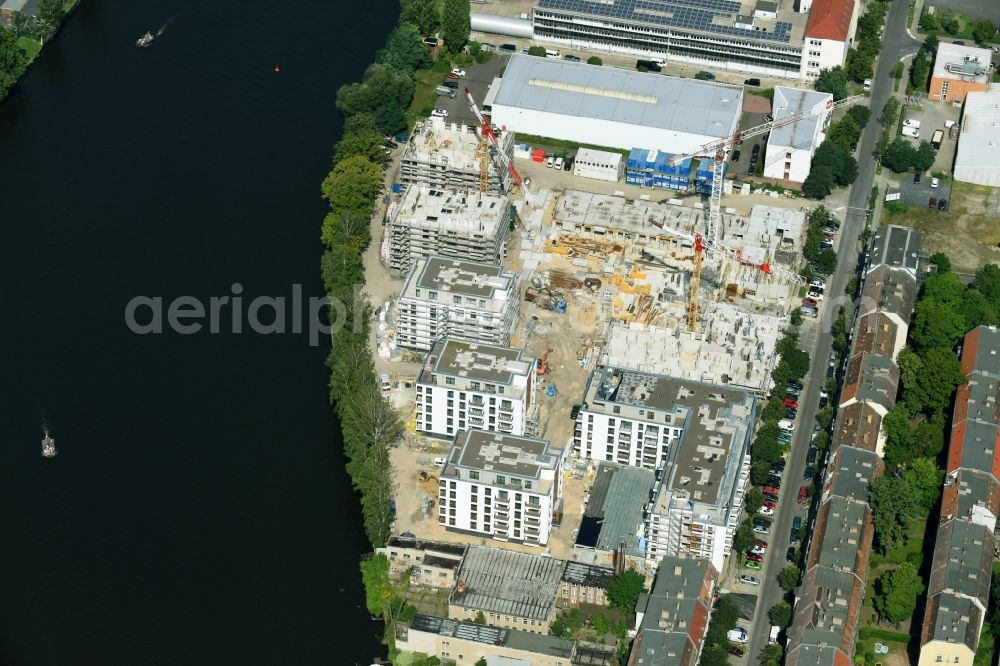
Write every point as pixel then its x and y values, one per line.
pixel 477 79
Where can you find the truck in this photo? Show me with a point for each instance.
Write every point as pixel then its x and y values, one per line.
pixel 937 138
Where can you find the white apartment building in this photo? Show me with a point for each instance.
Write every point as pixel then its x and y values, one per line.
pixel 828 36
pixel 447 223
pixel 460 299
pixel 697 434
pixel 500 486
pixel 470 385
pixel 790 148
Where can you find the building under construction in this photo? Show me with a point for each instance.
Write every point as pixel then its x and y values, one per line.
pixel 463 225
pixel 450 156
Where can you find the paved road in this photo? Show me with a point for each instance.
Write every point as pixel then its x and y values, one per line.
pixel 896 44
pixel 981 10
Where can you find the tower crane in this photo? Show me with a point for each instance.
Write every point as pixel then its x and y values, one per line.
pixel 720 148
pixel 488 135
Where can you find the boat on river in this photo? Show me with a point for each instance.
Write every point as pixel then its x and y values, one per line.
pixel 48 447
pixel 145 40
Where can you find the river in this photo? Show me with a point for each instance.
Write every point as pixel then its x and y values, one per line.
pixel 198 511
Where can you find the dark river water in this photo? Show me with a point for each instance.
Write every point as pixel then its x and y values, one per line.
pixel 197 511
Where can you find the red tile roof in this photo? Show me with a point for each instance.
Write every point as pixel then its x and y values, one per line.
pixel 830 19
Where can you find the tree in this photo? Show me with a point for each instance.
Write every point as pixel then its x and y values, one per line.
pixel 624 590
pixel 13 61
pixel 925 478
pixel 844 133
pixel 404 49
pixel 481 662
pixel 920 70
pixel 796 317
pixel 987 281
pixel 950 23
pixel 480 618
pixel 716 655
pixel 368 143
pixel 977 309
pixel 942 264
pixel 754 499
pixel 932 42
pixel 51 11
pixel 384 92
pixel 923 158
pixel 819 183
pixel 833 81
pixel 743 540
pixel 849 172
pixel 770 655
pixel 594 60
pixel 353 185
pixel 421 13
pixel 928 438
pixel 378 589
pixel 983 32
pixel 788 578
pixel 536 51
pixel 859 65
pixel 780 614
pixel 898 436
pixel 860 115
pixel 897 591
pixel 826 263
pixel 894 506
pixel 899 156
pixel 455 24
pixel 929 379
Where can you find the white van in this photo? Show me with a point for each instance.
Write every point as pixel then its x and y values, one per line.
pixel 549 53
pixel 773 636
pixel 786 425
pixel 911 132
pixel 909 122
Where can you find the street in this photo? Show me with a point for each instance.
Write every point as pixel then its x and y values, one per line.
pixel 896 44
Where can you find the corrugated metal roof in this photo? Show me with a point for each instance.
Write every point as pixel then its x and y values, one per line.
pixel 619 95
pixel 507 582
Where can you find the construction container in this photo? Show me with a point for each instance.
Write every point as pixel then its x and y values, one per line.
pixel 538 155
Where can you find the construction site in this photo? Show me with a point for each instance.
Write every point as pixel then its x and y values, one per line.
pixel 685 288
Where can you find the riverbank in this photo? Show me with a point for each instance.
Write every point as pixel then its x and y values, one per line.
pixel 23 41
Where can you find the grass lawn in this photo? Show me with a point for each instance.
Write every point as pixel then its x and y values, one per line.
pixel 30 46
pixel 424 97
pixel 911 550
pixel 548 142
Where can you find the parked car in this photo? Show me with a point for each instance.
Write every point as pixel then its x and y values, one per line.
pixel 773 507
pixel 824 400
pixel 932 203
pixel 942 204
pixel 811 454
pixel 790 554
pixel 793 535
pixel 797 522
pixel 774 481
pixel 571 58
pixel 808 473
pixel 935 182
pixel 445 90
pixel 754 558
pixel 453 76
pixel 735 651
pixel 867 85
pixel 916 178
pixel 750 564
pixel 755 151
pixel 568 165
pixel 574 412
pixel 790 401
pixel 811 302
pixel 735 157
pixel 784 438
pixel 778 465
pixel 816 282
pixel 509 48
pixel 815 294
pixel 439 113
pixel 752 82
pixel 791 413
pixel 440 462
pixel 786 425
pixel 559 164
pixel 771 497
pixel 764 511
pixel 761 529
pixel 770 490
pixel 737 635
pixel 707 76
pixel 749 580
pixel 451 84
pixel 768 118
pixel 458 72
pixel 549 162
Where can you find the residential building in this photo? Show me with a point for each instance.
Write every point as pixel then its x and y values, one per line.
pixel 672 619
pixel 959 70
pixel 838 546
pixel 978 157
pixel 446 223
pixel 10 9
pixel 585 584
pixel 599 165
pixel 467 385
pixel 460 299
pixel 445 155
pixel 829 34
pixel 513 590
pixel 959 587
pixel 501 486
pixel 430 563
pixel 790 147
pixel 465 643
pixel 699 434
pixel 578 102
pixel 751 36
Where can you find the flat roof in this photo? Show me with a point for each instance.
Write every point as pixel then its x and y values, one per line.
pixel 402 541
pixel 508 582
pixel 897 246
pixel 619 95
pixel 588 575
pixel 523 457
pixel 473 360
pixel 424 207
pixel 788 102
pixel 963 63
pixel 713 17
pixel 615 509
pixel 514 639
pixel 464 278
pixel 979 138
pixel 594 156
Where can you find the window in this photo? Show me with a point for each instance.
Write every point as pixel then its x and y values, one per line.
pixel 474 475
pixel 450 381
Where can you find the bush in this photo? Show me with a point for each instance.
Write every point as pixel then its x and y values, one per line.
pixel 594 60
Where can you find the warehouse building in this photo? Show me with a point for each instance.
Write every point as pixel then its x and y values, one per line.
pixel 513 590
pixel 751 36
pixel 461 299
pixel 580 102
pixel 978 157
pixel 501 486
pixel 613 520
pixel 447 223
pixel 465 643
pixel 599 165
pixel 445 155
pixel 790 148
pixel 959 70
pixel 471 385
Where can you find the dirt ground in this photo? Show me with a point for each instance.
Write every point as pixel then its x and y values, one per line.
pixel 968 232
